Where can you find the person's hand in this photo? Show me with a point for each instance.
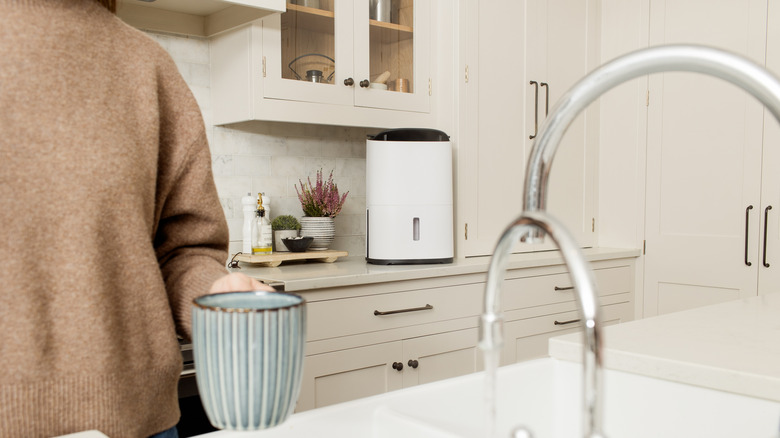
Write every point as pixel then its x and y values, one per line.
pixel 238 282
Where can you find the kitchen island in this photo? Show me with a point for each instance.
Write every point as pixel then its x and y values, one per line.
pixel 710 371
pixel 732 346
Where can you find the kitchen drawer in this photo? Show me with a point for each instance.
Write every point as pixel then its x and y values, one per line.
pixel 350 316
pixel 527 339
pixel 518 293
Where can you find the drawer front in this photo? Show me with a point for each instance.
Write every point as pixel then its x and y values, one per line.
pixel 542 290
pixel 528 338
pixel 349 316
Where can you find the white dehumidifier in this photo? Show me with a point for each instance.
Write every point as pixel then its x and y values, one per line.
pixel 409 197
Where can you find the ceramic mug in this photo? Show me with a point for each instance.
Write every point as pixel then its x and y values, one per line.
pixel 248 349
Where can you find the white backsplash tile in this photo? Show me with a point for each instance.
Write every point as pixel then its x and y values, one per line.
pixel 252 165
pixel 222 165
pixel 284 166
pixel 188 49
pixel 274 156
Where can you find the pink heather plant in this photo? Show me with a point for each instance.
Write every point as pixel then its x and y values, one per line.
pixel 322 199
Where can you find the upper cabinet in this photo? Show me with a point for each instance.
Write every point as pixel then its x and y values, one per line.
pixel 332 62
pixel 202 18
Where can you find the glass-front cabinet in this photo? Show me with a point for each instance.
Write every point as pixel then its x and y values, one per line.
pixel 364 53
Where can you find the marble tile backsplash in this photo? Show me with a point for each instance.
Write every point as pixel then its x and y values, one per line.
pixel 274 157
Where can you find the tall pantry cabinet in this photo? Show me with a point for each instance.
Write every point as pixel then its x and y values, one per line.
pixel 518 59
pixel 713 194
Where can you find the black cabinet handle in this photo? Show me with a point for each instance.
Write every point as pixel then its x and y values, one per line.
pixel 536 110
pixel 398 366
pixel 766 217
pixel 747 233
pixel 564 288
pixel 364 83
pixel 546 97
pixel 412 363
pixel 349 82
pixel 571 321
pixel 413 309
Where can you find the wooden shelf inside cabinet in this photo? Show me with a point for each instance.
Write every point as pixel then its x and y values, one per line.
pixel 311 19
pixel 391 31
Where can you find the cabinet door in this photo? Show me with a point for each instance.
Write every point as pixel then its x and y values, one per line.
pixel 492 174
pixel 769 265
pixel 307 53
pixel 397 45
pixel 340 376
pixel 518 80
pixel 566 52
pixel 441 356
pixel 703 162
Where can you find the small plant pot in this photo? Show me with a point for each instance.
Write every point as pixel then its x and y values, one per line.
pixel 283 234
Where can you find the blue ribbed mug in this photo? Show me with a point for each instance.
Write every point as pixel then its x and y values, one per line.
pixel 248 349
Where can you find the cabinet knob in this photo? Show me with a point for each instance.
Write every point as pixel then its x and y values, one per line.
pixel 349 82
pixel 413 363
pixel 364 83
pixel 398 366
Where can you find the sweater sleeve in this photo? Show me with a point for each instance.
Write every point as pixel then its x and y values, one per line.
pixel 192 236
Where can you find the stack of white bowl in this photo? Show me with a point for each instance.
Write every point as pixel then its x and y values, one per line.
pixel 322 229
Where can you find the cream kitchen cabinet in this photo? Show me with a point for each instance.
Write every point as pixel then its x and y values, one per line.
pixel 512 81
pixel 202 18
pixel 707 197
pixel 322 65
pixel 369 339
pixel 344 375
pixel 537 307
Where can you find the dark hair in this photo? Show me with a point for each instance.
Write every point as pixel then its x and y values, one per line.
pixel 109 4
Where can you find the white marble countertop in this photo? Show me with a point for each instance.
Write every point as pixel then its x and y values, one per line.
pixel 732 346
pixel 351 271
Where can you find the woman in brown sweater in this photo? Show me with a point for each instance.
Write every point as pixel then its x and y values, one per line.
pixel 110 218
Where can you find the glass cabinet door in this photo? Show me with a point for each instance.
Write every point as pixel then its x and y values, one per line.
pixel 307 52
pixel 391 50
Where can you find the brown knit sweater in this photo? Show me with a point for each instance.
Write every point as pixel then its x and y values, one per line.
pixel 110 219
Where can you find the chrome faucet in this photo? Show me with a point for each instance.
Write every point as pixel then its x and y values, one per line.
pixel 534 223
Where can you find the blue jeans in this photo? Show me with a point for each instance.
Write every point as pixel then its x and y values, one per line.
pixel 170 433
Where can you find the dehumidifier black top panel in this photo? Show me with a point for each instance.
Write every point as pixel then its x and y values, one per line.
pixel 410 134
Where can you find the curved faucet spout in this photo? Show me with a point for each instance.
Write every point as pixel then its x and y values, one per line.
pixel 491 328
pixel 698 59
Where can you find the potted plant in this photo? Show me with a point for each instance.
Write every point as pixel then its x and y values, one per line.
pixel 284 226
pixel 321 202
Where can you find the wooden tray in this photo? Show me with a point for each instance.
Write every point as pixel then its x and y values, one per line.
pixel 276 259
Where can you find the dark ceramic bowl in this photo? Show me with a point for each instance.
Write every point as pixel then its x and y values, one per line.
pixel 298 244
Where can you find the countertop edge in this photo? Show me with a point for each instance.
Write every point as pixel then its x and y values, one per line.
pixel 353 271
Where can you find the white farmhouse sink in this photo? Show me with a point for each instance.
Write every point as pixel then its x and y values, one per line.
pixel 545 396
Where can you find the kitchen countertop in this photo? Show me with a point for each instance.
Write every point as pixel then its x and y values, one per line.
pixel 732 346
pixel 352 271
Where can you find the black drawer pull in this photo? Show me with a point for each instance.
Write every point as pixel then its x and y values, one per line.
pixel 564 288
pixel 413 309
pixel 571 321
